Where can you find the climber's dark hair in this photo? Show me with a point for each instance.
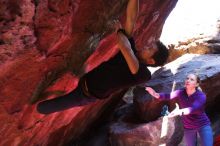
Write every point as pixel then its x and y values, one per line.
pixel 161 55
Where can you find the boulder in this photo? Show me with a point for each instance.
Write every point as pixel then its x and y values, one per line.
pixel 165 130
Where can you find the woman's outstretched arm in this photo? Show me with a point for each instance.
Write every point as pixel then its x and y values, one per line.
pixel 163 96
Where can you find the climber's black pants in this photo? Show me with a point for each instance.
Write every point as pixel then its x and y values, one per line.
pixel 73 99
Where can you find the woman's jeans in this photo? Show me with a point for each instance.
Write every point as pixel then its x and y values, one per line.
pixel 205 134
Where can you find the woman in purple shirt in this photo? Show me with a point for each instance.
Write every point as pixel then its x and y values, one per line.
pixel 192 110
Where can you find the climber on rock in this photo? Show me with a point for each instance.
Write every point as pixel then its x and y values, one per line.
pixel 126 69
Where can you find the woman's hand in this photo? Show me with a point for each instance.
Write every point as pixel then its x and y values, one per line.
pixel 152 92
pixel 176 112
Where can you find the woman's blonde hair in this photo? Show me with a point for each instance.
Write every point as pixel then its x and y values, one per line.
pixel 197 79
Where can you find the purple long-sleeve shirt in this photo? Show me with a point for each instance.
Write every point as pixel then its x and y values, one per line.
pixel 197 118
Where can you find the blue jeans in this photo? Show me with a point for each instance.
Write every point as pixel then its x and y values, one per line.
pixel 205 134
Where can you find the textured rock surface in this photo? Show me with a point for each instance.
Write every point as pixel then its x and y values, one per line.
pixel 163 131
pixel 45 45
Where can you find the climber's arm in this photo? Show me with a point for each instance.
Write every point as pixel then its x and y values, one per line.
pixel 131 16
pixel 127 52
pixel 123 42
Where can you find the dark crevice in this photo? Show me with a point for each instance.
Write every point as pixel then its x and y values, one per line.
pixel 213 41
pixel 87 30
pixel 14 8
pixel 2 42
pixel 51 9
pixel 35 2
pixel 100 127
pixel 14 111
pixel 213 110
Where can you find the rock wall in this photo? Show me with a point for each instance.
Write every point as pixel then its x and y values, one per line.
pixel 45 46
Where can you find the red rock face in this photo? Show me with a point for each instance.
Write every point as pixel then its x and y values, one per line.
pixel 41 43
pixel 217 141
